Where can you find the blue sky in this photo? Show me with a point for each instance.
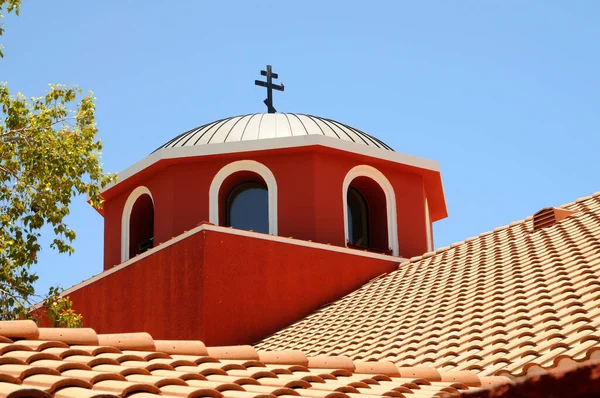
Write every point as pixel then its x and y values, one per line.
pixel 504 94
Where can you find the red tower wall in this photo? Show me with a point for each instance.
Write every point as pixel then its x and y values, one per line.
pixel 310 203
pixel 222 287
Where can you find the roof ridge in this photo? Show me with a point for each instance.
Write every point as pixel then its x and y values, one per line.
pixel 454 245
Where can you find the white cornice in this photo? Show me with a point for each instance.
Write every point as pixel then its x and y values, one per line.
pixel 273 143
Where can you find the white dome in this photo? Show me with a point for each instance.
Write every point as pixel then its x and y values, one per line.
pixel 259 126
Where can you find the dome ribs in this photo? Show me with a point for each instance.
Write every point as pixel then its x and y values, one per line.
pixel 208 133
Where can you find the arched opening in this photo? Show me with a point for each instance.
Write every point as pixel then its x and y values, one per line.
pixel 379 221
pixel 247 207
pixel 137 223
pixel 243 195
pixel 367 216
pixel 141 226
pixel 244 199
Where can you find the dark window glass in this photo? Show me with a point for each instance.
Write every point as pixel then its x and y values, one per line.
pixel 358 219
pixel 248 207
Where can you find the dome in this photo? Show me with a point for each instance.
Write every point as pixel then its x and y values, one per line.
pixel 259 126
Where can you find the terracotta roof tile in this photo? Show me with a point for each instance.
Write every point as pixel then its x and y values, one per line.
pixel 129 368
pixel 20 329
pixel 233 352
pixel 507 302
pixel 77 392
pixel 180 347
pixel 82 336
pixel 127 341
pixel 10 390
pixel 331 362
pixel 291 357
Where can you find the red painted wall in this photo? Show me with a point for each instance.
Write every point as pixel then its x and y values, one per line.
pixel 222 288
pixel 410 200
pixel 310 205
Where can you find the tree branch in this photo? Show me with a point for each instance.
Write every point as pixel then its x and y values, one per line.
pixel 23 129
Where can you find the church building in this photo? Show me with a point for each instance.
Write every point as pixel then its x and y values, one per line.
pixel 237 228
pixel 289 255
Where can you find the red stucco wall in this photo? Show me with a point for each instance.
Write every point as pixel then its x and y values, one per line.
pixel 222 288
pixel 310 205
pixel 410 200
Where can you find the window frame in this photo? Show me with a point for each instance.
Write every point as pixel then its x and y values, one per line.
pixel 244 165
pixel 236 191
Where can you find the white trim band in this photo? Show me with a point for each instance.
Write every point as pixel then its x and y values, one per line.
pixel 272 143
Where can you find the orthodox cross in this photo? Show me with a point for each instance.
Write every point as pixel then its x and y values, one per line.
pixel 270 86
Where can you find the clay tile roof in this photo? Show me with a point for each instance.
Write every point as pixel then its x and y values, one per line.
pixel 509 302
pixel 126 365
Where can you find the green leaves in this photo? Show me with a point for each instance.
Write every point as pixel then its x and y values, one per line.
pixel 59 310
pixel 49 153
pixel 8 6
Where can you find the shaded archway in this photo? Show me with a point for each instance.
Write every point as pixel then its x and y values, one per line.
pixel 359 233
pixel 137 223
pixel 367 218
pixel 141 226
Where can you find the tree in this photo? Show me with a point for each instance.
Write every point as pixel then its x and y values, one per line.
pixel 49 153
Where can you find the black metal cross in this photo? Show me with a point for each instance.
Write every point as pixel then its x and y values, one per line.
pixel 270 86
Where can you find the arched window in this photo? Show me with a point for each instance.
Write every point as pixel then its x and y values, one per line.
pixel 137 224
pixel 366 215
pixel 240 186
pixel 370 210
pixel 358 219
pixel 247 207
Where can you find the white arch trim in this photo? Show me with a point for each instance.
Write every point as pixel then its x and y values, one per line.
pixel 244 165
pixel 390 201
pixel 133 197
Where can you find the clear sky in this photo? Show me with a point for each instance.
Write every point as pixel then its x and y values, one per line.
pixel 504 94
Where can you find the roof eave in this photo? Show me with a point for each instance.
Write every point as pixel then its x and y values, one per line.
pixel 269 144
